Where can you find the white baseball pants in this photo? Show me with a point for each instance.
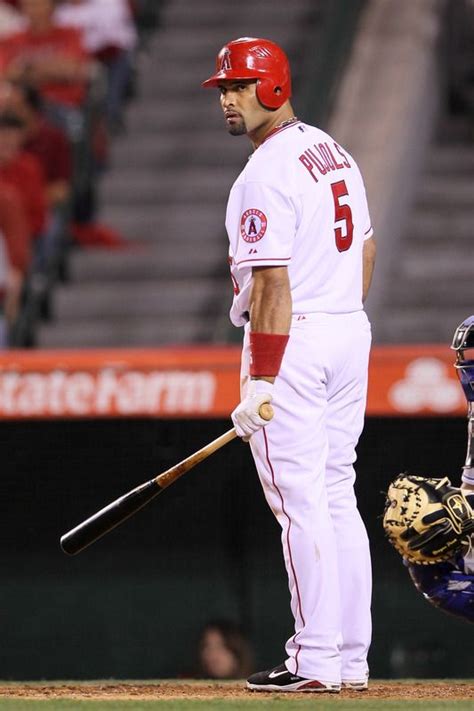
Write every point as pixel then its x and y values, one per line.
pixel 304 458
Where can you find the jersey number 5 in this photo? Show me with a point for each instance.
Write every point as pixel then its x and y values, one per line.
pixel 342 212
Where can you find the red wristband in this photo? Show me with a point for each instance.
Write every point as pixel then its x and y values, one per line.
pixel 266 353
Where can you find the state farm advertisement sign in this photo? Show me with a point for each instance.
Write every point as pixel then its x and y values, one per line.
pixel 414 380
pixel 106 392
pixel 201 382
pixel 168 383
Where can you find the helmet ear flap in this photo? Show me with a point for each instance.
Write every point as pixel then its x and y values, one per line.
pixel 270 95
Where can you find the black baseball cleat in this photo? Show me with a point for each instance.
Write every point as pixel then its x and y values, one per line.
pixel 280 679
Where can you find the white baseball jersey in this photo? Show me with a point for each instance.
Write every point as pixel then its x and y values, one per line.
pixel 300 202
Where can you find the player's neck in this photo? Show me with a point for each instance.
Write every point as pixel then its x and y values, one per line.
pixel 276 121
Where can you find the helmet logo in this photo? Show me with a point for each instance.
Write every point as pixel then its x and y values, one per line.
pixel 261 52
pixel 225 61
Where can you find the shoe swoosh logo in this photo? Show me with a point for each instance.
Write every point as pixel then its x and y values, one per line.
pixel 273 675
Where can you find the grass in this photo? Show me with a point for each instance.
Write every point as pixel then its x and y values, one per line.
pixel 280 703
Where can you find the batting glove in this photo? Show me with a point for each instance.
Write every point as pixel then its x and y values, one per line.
pixel 246 416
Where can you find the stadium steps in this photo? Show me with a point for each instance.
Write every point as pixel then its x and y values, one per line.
pixel 143 299
pixel 178 186
pixel 423 325
pixel 167 186
pixel 151 315
pixel 143 263
pixel 149 151
pixel 147 225
pixel 430 290
pixel 93 332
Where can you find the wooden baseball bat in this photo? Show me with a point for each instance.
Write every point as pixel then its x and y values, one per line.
pixel 93 528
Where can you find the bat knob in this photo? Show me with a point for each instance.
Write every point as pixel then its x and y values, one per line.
pixel 266 411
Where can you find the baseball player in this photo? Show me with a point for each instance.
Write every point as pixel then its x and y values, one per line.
pixel 302 253
pixel 449 585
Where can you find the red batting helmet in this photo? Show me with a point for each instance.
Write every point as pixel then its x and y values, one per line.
pixel 254 58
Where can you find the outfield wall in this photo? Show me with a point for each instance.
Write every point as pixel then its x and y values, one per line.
pixel 132 605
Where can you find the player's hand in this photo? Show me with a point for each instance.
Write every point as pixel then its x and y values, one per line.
pixel 246 416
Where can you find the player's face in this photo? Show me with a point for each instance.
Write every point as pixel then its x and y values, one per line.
pixel 216 658
pixel 243 112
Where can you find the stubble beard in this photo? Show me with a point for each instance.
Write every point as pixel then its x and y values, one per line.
pixel 238 129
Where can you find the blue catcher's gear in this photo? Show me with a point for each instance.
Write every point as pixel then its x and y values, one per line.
pixel 464 340
pixel 447 586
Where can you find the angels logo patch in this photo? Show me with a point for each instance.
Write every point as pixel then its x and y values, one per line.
pixel 225 61
pixel 253 225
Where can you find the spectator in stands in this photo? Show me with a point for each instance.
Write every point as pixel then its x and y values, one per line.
pixel 14 257
pixel 41 139
pixel 51 58
pixel 223 652
pixel 22 171
pixel 49 145
pixel 11 20
pixel 109 35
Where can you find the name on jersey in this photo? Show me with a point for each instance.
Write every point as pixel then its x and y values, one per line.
pixel 323 158
pixel 253 225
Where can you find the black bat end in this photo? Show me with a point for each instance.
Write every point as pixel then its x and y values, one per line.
pixel 67 545
pixel 80 537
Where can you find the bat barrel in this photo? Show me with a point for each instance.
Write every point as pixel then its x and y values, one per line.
pixel 109 517
pixel 121 509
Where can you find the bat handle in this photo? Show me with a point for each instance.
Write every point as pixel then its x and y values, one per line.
pixel 266 411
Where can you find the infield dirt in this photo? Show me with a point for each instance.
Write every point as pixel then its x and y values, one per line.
pixel 410 691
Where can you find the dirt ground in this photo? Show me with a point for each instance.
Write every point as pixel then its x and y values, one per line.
pixel 422 690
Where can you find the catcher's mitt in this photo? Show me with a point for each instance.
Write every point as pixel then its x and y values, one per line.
pixel 427 520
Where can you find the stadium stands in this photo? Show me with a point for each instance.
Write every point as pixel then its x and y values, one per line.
pixel 82 91
pixel 167 185
pixel 165 178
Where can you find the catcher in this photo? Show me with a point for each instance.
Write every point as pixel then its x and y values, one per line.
pixel 431 523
